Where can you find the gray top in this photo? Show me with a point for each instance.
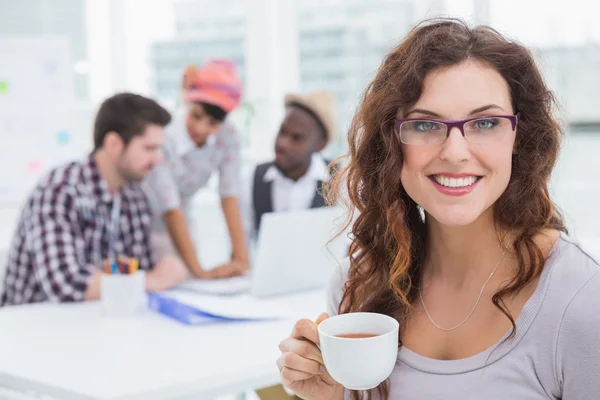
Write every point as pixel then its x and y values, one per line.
pixel 187 168
pixel 553 355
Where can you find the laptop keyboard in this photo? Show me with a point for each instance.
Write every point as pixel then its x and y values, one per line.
pixel 238 284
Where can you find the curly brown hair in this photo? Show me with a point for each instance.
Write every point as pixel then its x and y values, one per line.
pixel 388 234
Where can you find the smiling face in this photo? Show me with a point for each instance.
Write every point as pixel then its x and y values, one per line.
pixel 458 180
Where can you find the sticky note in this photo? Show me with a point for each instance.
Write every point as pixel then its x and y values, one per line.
pixel 34 165
pixel 3 87
pixel 63 137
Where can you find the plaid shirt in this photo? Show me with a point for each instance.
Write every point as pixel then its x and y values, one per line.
pixel 62 235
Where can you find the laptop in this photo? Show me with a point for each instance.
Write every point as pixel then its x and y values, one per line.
pixel 293 253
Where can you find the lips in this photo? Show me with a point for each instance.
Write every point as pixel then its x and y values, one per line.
pixel 196 137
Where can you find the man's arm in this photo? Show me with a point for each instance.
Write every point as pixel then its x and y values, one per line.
pixel 56 242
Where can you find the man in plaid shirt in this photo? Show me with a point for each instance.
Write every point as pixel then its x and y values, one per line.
pixel 62 238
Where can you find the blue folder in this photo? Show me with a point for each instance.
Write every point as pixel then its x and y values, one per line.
pixel 188 314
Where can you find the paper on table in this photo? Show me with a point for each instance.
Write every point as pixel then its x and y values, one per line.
pixel 243 307
pixel 218 286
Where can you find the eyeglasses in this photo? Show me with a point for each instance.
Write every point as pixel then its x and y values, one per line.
pixel 425 131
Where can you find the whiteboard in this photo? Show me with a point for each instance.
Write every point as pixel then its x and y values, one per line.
pixel 41 123
pixel 35 70
pixel 37 139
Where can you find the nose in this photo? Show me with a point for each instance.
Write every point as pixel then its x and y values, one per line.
pixel 203 127
pixel 281 144
pixel 455 148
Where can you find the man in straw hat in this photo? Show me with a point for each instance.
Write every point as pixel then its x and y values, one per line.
pixel 293 181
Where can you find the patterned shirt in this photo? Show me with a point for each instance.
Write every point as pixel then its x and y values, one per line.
pixel 187 168
pixel 62 235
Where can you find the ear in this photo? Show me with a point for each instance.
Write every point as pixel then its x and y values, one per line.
pixel 113 143
pixel 321 144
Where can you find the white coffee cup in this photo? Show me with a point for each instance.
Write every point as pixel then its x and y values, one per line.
pixel 359 363
pixel 123 295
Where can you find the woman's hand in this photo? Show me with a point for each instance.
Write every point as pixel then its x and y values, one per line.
pixel 234 268
pixel 301 364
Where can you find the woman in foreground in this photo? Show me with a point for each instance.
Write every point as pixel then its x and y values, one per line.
pixel 456 237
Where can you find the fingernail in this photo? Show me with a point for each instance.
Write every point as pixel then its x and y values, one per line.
pixel 322 369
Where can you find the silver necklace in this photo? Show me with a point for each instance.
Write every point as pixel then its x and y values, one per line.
pixel 474 307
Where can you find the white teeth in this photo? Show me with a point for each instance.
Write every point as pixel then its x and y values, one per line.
pixel 455 182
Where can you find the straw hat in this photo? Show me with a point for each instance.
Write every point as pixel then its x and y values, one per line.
pixel 321 104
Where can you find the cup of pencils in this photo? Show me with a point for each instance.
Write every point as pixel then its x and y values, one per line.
pixel 123 288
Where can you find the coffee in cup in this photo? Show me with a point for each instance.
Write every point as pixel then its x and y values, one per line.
pixel 359 349
pixel 356 335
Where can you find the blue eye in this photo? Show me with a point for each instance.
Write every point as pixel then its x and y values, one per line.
pixel 425 126
pixel 485 124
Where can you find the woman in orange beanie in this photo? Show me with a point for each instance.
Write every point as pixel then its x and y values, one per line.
pixel 198 143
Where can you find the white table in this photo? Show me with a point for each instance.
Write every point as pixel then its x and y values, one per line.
pixel 70 352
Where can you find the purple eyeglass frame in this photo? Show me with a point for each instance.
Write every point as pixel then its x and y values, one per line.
pixel 460 123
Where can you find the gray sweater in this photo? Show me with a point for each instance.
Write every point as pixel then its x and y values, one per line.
pixel 555 353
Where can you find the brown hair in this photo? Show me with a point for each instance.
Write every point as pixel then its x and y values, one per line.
pixel 388 234
pixel 127 114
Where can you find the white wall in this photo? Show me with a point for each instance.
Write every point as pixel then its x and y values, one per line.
pixel 272 62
